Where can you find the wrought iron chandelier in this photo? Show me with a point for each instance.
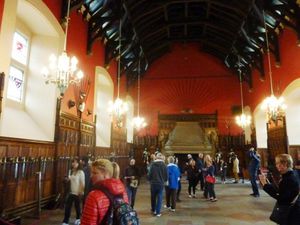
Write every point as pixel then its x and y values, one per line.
pixel 242 120
pixel 118 108
pixel 63 71
pixel 273 106
pixel 139 122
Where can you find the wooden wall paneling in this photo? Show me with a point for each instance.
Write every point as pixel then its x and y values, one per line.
pixel 264 156
pixel 21 159
pixel 294 150
pixel 102 152
pixel 277 139
pixel 47 176
pixel 87 142
pixel 19 163
pixel 3 151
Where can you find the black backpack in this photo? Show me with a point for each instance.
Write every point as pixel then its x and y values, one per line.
pixel 119 212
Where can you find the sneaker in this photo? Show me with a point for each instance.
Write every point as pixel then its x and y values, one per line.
pixel 158 215
pixel 194 196
pixel 153 212
pixel 214 200
pixel 77 222
pixel 167 207
pixel 172 210
pixel 190 196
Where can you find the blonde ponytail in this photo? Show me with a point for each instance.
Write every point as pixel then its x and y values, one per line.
pixel 116 170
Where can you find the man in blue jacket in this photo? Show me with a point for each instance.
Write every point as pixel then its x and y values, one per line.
pixel 171 188
pixel 253 171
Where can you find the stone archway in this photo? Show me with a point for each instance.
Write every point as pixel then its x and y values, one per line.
pixel 104 89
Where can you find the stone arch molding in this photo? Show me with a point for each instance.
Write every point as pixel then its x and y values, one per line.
pixel 259 120
pixel 291 95
pixel 104 92
pixel 35 117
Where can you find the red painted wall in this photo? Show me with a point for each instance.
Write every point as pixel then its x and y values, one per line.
pixel 1 11
pixel 187 78
pixel 288 71
pixel 211 93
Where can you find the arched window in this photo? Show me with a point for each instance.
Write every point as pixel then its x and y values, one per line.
pixel 29 34
pixel 260 127
pixel 292 100
pixel 104 89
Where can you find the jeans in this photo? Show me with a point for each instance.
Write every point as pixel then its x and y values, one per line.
pixel 211 190
pixel 178 190
pixel 171 197
pixel 131 192
pixel 68 206
pixel 156 197
pixel 192 185
pixel 253 177
pixel 201 179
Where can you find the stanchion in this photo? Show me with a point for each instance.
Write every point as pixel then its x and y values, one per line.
pixel 39 192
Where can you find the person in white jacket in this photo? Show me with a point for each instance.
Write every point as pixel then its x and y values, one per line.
pixel 77 182
pixel 235 169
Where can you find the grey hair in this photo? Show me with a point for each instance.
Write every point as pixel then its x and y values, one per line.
pixel 171 159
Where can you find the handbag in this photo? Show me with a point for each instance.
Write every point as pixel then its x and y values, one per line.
pixel 280 213
pixel 210 179
pixel 134 183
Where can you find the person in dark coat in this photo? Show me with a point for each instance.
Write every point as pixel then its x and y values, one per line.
pixel 192 176
pixel 132 177
pixel 287 192
pixel 253 171
pixel 158 176
pixel 200 166
pixel 87 177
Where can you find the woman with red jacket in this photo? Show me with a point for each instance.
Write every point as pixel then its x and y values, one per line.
pixel 104 174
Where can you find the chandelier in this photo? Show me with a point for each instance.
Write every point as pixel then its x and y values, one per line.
pixel 138 122
pixel 63 71
pixel 242 120
pixel 118 108
pixel 273 106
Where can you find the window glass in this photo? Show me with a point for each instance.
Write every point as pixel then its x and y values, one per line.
pixel 15 84
pixel 20 48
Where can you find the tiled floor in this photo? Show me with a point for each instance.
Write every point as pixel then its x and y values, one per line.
pixel 234 207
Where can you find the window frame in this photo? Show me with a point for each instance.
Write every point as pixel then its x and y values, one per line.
pixel 22 30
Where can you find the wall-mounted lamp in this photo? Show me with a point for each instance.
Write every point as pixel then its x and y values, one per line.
pixel 71 104
pixel 89 112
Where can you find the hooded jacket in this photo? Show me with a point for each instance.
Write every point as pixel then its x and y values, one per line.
pixel 173 174
pixel 97 204
pixel 158 174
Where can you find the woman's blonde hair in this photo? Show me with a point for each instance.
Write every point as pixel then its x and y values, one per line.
pixel 285 159
pixel 208 159
pixel 112 168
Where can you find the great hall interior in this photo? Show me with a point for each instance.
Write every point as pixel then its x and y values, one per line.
pixel 210 76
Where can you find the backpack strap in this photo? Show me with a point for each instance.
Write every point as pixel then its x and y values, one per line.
pixel 111 197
